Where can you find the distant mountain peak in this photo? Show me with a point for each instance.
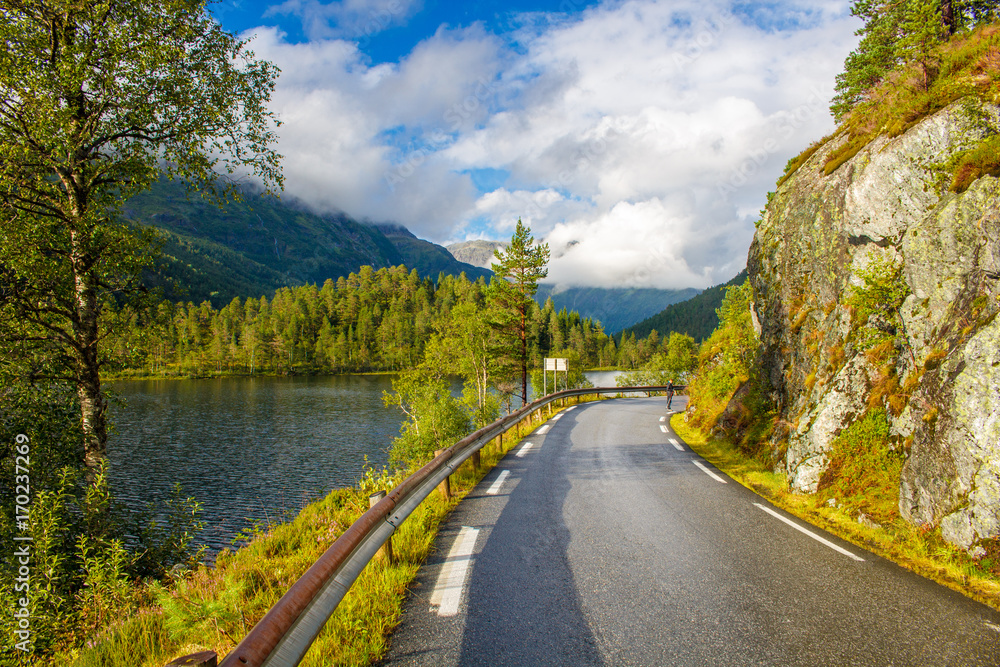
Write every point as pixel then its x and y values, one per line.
pixel 478 252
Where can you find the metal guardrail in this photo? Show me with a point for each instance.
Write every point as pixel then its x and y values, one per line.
pixel 286 632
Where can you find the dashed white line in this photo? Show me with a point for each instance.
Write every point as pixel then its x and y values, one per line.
pixel 663 428
pixel 708 472
pixel 557 417
pixel 663 419
pixel 448 590
pixel 676 444
pixel 810 533
pixel 992 626
pixel 543 429
pixel 572 407
pixel 525 448
pixel 498 483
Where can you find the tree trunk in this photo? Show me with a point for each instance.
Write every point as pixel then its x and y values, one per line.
pixel 948 17
pixel 524 354
pixel 93 406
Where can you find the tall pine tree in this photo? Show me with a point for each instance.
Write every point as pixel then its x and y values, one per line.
pixel 518 269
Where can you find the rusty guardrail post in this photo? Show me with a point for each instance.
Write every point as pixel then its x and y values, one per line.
pixel 445 486
pixel 386 551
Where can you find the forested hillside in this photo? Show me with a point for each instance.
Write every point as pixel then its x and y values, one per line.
pixel 254 247
pixel 695 317
pixel 372 320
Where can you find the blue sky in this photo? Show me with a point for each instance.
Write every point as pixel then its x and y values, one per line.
pixel 637 137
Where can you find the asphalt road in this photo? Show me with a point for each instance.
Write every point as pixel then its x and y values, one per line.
pixel 605 543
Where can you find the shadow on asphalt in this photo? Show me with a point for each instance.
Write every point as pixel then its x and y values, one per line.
pixel 527 610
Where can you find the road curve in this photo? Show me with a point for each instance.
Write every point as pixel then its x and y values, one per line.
pixel 608 542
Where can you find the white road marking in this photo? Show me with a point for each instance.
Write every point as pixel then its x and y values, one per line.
pixel 992 626
pixel 811 534
pixel 663 428
pixel 524 449
pixel 676 444
pixel 569 408
pixel 455 570
pixel 498 483
pixel 557 417
pixel 543 429
pixel 708 472
pixel 663 419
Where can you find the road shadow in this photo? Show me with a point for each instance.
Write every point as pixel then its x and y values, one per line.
pixel 524 608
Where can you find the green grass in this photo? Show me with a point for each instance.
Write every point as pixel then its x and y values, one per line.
pixel 213 608
pixel 918 550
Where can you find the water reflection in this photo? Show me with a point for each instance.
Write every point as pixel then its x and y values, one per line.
pixel 249 449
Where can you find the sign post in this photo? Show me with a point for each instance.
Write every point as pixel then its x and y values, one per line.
pixel 555 365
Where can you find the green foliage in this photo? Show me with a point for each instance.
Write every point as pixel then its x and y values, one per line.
pixel 982 160
pixel 864 468
pixel 726 359
pixel 97 99
pixel 674 364
pixel 87 551
pixel 966 66
pixel 899 33
pixel 876 302
pixel 369 321
pixel 260 244
pixel 518 269
pixel 434 418
pixel 696 317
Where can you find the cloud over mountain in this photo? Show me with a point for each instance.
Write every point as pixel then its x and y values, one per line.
pixel 639 138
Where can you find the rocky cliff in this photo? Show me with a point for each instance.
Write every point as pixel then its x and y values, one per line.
pixel 876 288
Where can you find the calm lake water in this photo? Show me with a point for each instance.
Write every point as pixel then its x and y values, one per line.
pixel 250 449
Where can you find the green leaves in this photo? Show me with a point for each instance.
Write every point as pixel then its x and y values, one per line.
pixel 898 33
pixel 97 99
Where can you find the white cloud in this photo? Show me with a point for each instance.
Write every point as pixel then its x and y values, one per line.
pixel 640 138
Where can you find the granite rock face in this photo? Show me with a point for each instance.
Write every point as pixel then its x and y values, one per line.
pixel 890 205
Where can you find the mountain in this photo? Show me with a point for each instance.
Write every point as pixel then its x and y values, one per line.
pixel 615 307
pixel 695 317
pixel 429 258
pixel 477 253
pixel 875 284
pixel 256 246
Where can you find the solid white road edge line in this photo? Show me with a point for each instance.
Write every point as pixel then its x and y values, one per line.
pixel 708 472
pixel 448 589
pixel 525 448
pixel 810 533
pixel 498 483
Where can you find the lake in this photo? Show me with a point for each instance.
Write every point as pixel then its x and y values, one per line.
pixel 250 449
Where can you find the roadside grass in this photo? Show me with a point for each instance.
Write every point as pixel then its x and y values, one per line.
pixel 212 608
pixel 919 550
